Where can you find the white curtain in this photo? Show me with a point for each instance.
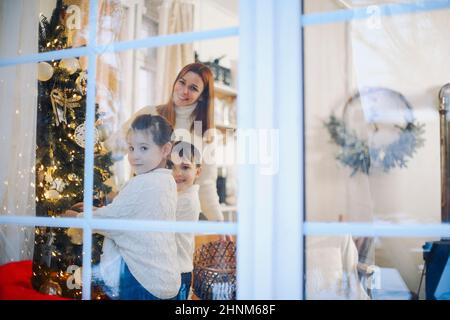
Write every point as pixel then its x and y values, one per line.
pixel 18 106
pixel 175 16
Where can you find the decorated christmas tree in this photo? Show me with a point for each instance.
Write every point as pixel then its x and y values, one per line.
pixel 60 163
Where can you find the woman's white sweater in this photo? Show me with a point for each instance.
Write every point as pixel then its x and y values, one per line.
pixel 150 256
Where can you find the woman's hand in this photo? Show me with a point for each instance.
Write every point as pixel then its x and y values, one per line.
pixel 79 206
pixel 226 237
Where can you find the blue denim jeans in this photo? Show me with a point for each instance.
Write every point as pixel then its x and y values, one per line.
pixel 186 278
pixel 131 289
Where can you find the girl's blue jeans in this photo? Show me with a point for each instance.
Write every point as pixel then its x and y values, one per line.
pixel 186 278
pixel 131 289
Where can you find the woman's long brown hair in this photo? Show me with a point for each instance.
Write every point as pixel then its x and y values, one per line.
pixel 204 111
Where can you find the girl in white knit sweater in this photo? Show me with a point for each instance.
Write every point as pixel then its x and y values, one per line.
pixel 148 265
pixel 185 161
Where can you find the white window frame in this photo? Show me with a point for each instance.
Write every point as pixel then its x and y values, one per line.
pixel 270 246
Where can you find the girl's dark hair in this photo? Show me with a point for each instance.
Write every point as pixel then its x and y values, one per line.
pixel 159 127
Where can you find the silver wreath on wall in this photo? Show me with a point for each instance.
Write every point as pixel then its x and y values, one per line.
pixel 377 130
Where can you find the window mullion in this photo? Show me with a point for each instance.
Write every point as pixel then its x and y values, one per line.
pixel 89 150
pixel 289 182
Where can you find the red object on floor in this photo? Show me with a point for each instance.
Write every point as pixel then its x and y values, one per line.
pixel 15 283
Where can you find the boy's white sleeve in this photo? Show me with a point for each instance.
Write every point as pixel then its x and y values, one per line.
pixel 188 207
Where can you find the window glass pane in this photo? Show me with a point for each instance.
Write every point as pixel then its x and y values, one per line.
pixel 35 263
pixel 122 21
pixel 372 123
pixel 60 138
pixel 18 96
pixel 16 243
pixel 57 260
pixel 41 26
pixel 124 93
pixel 159 265
pixel 380 268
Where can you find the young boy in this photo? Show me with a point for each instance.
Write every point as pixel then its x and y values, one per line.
pixel 185 162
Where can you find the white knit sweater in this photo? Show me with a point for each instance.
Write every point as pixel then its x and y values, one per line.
pixel 150 256
pixel 209 200
pixel 188 209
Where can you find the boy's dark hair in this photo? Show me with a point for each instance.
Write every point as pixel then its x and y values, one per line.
pixel 187 150
pixel 159 127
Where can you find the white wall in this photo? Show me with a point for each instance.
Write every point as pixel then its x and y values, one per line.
pixel 216 14
pixel 409 54
pixel 46 8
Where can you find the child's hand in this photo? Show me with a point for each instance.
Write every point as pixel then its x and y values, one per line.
pixel 70 214
pixel 78 206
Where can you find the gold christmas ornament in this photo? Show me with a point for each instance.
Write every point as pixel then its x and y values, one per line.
pixel 48 175
pixel 70 64
pixel 59 99
pixel 58 184
pixel 52 195
pixel 81 83
pixel 75 235
pixel 50 287
pixel 72 177
pixel 45 71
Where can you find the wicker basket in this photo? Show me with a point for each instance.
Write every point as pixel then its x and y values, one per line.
pixel 215 271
